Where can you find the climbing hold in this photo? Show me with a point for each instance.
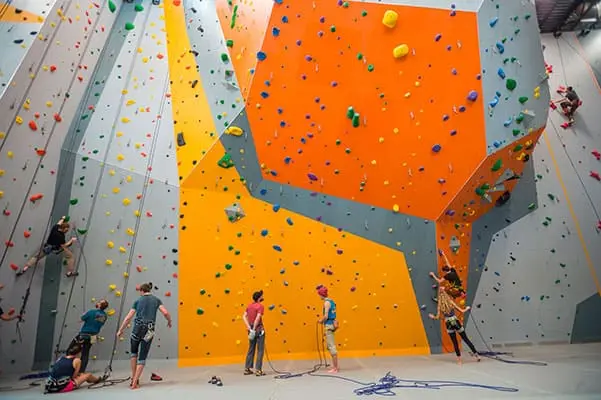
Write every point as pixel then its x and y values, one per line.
pixel 33 125
pixel 200 311
pixel 436 148
pixel 523 99
pixel 112 6
pixel 400 51
pixel 139 7
pixel 497 165
pixel 108 262
pixel 73 201
pixel 234 131
pixel 129 26
pixel 261 56
pixel 472 95
pixel 226 161
pixel 390 18
pixel 36 197
pixel 511 84
pixel 493 22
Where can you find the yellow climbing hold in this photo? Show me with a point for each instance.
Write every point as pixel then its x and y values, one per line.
pixel 118 293
pixel 395 208
pixel 116 190
pixel 19 120
pixel 130 102
pixel 381 140
pixel 234 131
pixel 1 172
pixel 112 287
pixel 111 172
pixel 111 312
pixel 125 120
pixel 10 154
pixel 390 18
pixel 126 201
pixel 122 249
pixel 1 194
pixel 400 51
pixel 109 262
pixel 130 232
pixel 49 104
pixel 128 178
pixel 2 135
pixel 110 245
pixel 120 157
pixel 125 275
pixel 27 104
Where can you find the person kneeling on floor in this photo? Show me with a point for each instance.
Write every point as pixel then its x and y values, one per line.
pixel 65 374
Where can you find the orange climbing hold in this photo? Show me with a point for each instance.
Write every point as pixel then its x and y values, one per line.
pixel 177 3
pixel 33 125
pixel 167 294
pixel 26 234
pixel 36 197
pixel 58 118
pixel 40 152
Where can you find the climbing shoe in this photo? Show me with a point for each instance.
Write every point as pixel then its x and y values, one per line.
pixel 259 373
pixel 155 377
pixel 248 371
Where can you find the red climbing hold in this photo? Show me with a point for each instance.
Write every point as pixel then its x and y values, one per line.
pixel 596 175
pixel 167 294
pixel 9 243
pixel 596 154
pixel 40 152
pixel 175 275
pixel 36 115
pixel 177 2
pixel 139 268
pixel 14 267
pixel 26 234
pixel 33 125
pixel 148 214
pixel 6 212
pixel 52 68
pixel 36 197
pixel 58 118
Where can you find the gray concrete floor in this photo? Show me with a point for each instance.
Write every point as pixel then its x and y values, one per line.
pixel 573 372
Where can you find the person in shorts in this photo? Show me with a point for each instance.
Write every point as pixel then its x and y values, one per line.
pixel 65 375
pixel 56 243
pixel 330 324
pixel 145 311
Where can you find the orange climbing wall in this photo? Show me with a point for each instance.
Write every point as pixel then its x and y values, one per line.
pixel 468 207
pixel 247 34
pixel 388 160
pixel 370 282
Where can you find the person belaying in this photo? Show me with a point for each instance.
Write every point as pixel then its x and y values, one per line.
pixel 451 276
pixel 65 375
pixel 570 102
pixel 446 309
pixel 330 324
pixel 56 244
pixel 253 319
pixel 145 311
pixel 93 321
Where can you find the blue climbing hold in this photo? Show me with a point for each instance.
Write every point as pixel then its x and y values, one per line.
pixel 289 221
pixel 501 73
pixel 312 177
pixel 493 22
pixel 277 248
pixel 264 232
pixel 436 148
pixel 500 47
pixel 261 56
pixel 264 95
pixel 287 160
pixel 275 31
pixel 276 207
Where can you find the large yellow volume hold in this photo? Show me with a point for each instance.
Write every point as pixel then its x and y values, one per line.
pixel 390 18
pixel 400 51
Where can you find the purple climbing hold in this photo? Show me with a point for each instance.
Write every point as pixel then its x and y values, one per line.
pixel 353 289
pixel 436 148
pixel 461 108
pixel 453 132
pixel 322 19
pixel 437 37
pixel 445 117
pixel 308 58
pixel 339 251
pixel 312 177
pixel 472 96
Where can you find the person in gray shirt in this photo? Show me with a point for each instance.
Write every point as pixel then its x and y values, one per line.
pixel 144 310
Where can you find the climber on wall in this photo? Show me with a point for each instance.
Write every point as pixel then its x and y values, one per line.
pixel 446 309
pixel 145 311
pixel 330 323
pixel 57 244
pixel 253 319
pixel 451 276
pixel 570 102
pixel 93 321
pixel 8 316
pixel 65 375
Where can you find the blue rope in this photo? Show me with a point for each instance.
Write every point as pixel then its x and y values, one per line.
pixel 386 385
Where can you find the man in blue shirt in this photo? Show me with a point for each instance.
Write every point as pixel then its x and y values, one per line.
pixel 93 321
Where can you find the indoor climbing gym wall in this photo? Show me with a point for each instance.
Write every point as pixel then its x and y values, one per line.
pixel 96 112
pixel 217 148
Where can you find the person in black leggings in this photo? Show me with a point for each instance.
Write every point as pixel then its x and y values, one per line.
pixel 446 308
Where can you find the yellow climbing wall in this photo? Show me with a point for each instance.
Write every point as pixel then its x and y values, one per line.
pixel 285 254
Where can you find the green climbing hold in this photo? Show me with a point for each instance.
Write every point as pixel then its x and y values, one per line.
pixel 73 201
pixel 202 292
pixel 112 6
pixel 82 231
pixel 228 266
pixel 511 84
pixel 129 26
pixel 85 158
pixel 67 218
pixel 226 161
pixel 227 291
pixel 370 67
pixel 519 118
pixel 229 43
pixel 497 165
pixel 218 274
pixel 359 56
pixel 234 16
pixel 333 28
pixel 200 311
pixel 480 192
pixel 139 7
pixel 532 206
pixel 350 112
pixel 224 57
pixel 523 99
pixel 356 120
pixel 364 13
pixel 516 132
pixel 527 17
pixel 518 148
pixel 485 186
pixel 551 196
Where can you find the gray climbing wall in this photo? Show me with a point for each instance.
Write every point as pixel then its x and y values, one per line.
pixel 111 161
pixel 508 31
pixel 540 277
